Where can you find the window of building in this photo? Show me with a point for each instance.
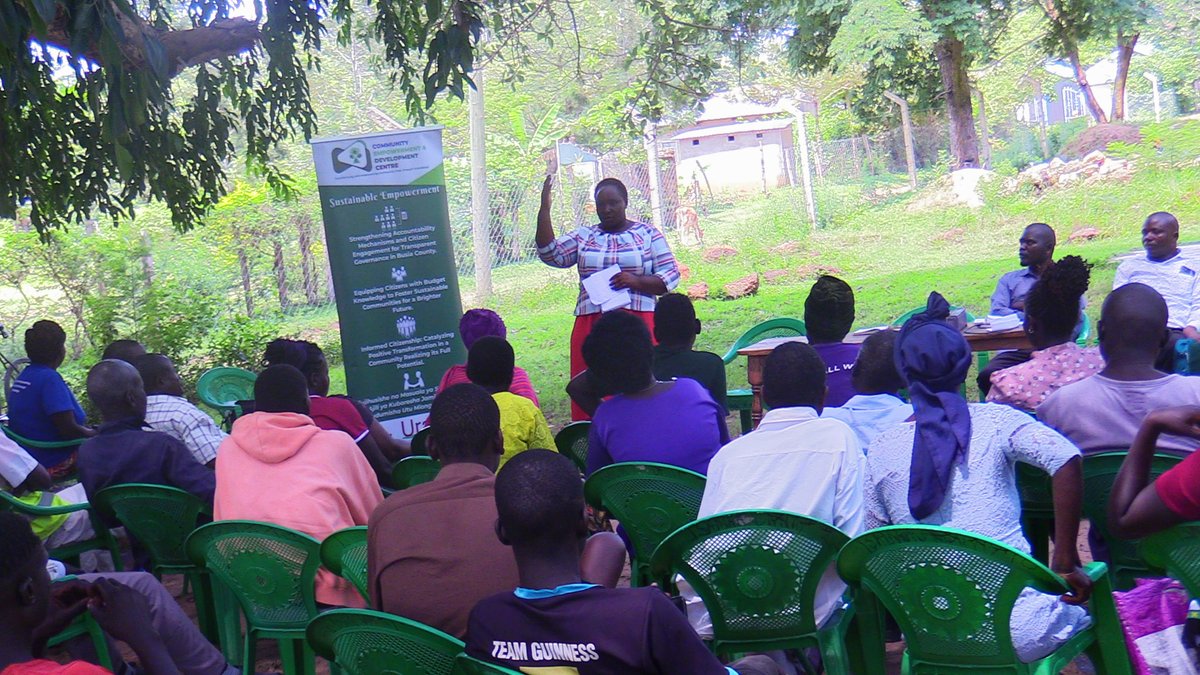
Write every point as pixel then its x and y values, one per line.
pixel 758 135
pixel 1072 100
pixel 695 141
pixel 729 138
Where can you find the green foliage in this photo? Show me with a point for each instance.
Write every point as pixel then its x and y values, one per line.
pixel 239 341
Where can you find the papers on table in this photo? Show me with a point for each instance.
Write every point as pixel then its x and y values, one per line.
pixel 601 293
pixel 1002 323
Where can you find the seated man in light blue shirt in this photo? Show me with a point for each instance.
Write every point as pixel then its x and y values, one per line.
pixel 877 406
pixel 1036 253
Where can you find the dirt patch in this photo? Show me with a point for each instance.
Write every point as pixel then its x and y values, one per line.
pixel 719 252
pixel 698 291
pixel 1084 234
pixel 813 271
pixel 953 234
pixel 787 247
pixel 772 276
pixel 1099 137
pixel 744 287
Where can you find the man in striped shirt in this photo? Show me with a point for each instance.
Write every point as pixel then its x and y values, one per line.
pixel 169 412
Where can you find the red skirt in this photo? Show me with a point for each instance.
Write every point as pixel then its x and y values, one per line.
pixel 583 327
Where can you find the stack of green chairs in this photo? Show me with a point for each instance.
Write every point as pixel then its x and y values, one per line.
pixel 1099 474
pixel 572 441
pixel 366 642
pixel 102 541
pixel 221 388
pixel 952 594
pixel 269 570
pixel 741 399
pixel 160 518
pixel 345 554
pixel 758 572
pixel 414 470
pixel 650 500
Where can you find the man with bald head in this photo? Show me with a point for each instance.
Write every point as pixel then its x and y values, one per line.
pixel 1105 410
pixel 125 450
pixel 1165 269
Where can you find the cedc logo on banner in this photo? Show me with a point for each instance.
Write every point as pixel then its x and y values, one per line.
pixel 356 156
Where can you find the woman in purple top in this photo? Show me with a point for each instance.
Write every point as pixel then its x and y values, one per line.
pixel 828 316
pixel 675 422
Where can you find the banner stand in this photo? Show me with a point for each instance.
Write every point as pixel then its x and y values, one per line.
pixel 387 226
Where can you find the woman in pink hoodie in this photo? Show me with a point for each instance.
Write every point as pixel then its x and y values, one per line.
pixel 278 467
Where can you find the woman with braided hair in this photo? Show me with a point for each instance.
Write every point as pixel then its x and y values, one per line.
pixel 1051 314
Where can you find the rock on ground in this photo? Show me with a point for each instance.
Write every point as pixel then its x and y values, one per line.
pixel 746 286
pixel 718 252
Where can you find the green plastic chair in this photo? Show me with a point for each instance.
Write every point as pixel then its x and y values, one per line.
pixel 420 442
pixel 1085 333
pixel 84 624
pixel 650 500
pixel 222 387
pixel 102 541
pixel 161 518
pixel 1176 553
pixel 572 441
pixel 742 399
pixel 269 570
pixel 952 593
pixel 466 665
pixel 366 642
pixel 1037 509
pixel 414 470
pixel 345 554
pixel 1099 474
pixel 757 572
pixel 30 444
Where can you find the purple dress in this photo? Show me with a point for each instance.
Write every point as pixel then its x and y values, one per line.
pixel 839 359
pixel 681 426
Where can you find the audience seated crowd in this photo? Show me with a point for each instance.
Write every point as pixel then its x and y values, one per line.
pixel 495 549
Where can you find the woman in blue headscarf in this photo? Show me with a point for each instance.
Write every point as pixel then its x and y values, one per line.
pixel 955 465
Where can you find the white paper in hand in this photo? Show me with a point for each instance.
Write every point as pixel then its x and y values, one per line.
pixel 601 293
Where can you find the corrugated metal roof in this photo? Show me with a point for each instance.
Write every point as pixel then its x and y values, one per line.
pixel 729 129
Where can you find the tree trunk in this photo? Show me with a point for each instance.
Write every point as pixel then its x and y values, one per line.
pixel 308 268
pixel 952 64
pixel 1089 96
pixel 244 264
pixel 281 275
pixel 1125 45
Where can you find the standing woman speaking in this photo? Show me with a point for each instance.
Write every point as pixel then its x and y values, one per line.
pixel 648 268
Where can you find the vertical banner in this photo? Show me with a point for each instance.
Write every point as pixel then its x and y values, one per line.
pixel 387 225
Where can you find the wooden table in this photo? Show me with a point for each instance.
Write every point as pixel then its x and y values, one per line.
pixel 756 354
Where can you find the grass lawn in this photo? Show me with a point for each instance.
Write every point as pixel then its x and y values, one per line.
pixel 892 255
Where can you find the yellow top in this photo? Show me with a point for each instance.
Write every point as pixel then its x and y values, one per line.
pixel 522 424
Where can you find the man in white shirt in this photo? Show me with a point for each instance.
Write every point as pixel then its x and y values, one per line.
pixel 1165 269
pixel 877 406
pixel 169 412
pixel 794 461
